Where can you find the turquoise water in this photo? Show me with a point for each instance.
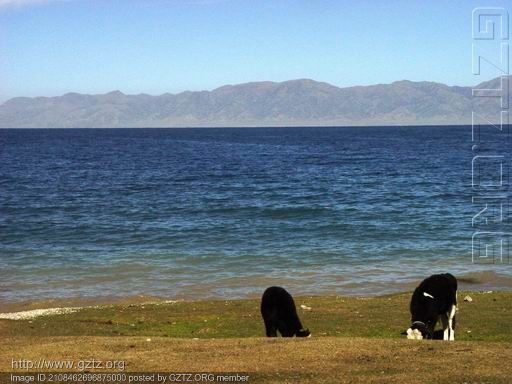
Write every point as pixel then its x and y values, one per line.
pixel 226 212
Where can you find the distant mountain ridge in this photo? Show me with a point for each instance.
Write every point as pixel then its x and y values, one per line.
pixel 289 103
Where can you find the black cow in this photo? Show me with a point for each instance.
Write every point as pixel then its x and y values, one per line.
pixel 434 299
pixel 279 314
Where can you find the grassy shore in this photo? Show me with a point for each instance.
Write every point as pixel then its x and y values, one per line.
pixel 354 340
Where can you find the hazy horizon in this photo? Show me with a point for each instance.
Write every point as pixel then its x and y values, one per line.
pixel 290 103
pixel 480 80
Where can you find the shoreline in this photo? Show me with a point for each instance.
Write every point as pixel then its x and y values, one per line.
pixel 366 284
pixel 477 281
pixel 26 310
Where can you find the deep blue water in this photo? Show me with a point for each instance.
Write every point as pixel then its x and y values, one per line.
pixel 226 212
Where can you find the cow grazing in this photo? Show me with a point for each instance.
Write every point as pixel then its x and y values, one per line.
pixel 279 314
pixel 434 299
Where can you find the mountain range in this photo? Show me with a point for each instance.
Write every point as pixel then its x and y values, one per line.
pixel 302 102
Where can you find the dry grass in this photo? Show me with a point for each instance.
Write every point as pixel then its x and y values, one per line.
pixel 314 360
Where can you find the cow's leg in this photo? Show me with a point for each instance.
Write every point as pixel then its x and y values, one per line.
pixel 284 330
pixel 444 322
pixel 451 322
pixel 431 325
pixel 270 329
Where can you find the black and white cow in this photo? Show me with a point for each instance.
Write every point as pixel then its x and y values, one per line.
pixel 279 314
pixel 434 299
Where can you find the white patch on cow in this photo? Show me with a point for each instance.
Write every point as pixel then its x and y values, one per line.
pixel 445 324
pixel 450 322
pixel 428 295
pixel 414 334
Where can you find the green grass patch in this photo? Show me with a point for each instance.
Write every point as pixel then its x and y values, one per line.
pixel 486 318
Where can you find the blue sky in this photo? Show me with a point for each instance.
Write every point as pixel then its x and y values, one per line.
pixel 155 46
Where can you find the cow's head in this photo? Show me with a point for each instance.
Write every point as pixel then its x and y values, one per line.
pixel 303 333
pixel 418 331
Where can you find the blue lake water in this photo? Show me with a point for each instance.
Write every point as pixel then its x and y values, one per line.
pixel 196 213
